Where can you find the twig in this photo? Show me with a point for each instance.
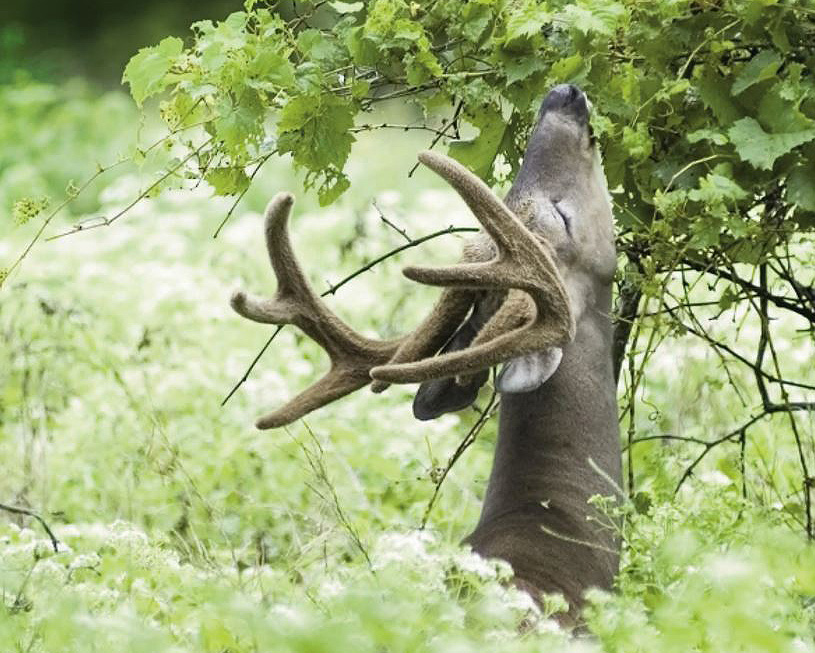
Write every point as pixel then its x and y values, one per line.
pixel 232 208
pixel 740 432
pixel 106 222
pixel 402 232
pixel 466 442
pixel 23 511
pixel 438 137
pixel 254 362
pixel 405 128
pixel 629 301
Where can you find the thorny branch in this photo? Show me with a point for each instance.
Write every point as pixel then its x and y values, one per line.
pixel 738 433
pixel 760 294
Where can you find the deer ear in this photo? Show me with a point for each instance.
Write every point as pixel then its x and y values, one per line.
pixel 527 373
pixel 439 396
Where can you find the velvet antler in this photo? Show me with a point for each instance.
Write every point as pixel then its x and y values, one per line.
pixel 535 314
pixel 352 355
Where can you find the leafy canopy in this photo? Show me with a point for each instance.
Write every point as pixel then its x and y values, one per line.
pixel 705 110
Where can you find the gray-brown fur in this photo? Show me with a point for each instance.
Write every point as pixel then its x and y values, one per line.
pixel 559 444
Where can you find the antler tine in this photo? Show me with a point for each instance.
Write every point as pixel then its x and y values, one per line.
pixel 496 218
pixel 352 355
pixel 523 262
pixel 436 329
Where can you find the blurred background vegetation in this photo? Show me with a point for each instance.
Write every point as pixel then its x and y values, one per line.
pixel 57 39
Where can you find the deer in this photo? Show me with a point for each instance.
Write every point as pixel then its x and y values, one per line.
pixel 532 293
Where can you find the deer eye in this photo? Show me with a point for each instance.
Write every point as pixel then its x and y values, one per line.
pixel 567 221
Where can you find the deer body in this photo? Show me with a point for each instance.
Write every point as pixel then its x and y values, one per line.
pixel 533 294
pixel 558 445
pixel 541 475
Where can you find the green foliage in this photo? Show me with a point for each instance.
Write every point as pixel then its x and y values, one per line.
pixel 761 149
pixel 692 99
pixel 147 71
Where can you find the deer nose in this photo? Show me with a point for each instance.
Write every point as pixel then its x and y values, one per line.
pixel 567 98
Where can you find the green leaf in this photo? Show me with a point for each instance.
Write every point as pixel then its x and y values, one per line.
pixel 421 67
pixel 227 181
pixel 526 21
pixel 567 68
pixel 475 19
pixel 705 232
pixel 761 149
pixel 346 7
pixel 638 141
pixel 239 125
pixel 316 131
pixel 601 17
pixel 334 186
pixel 317 46
pixel 801 187
pixel 274 67
pixel 761 67
pixel 707 135
pixel 147 70
pixel 728 298
pixel 479 153
pixel 715 188
pixel 713 89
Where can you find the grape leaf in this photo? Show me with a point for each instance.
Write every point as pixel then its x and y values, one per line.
pixel 761 67
pixel 227 181
pixel 526 21
pixel 146 71
pixel 316 131
pixel 759 148
pixel 801 187
pixel 479 153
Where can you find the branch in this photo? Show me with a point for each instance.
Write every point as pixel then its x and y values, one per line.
pixel 778 300
pixel 28 513
pixel 466 442
pixel 629 301
pixel 232 208
pixel 740 432
pixel 106 222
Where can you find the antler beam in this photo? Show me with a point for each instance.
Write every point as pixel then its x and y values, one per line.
pixel 535 314
pixel 528 321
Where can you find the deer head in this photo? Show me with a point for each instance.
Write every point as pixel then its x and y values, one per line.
pixel 513 299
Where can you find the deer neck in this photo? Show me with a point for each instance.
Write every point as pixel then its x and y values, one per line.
pixel 551 444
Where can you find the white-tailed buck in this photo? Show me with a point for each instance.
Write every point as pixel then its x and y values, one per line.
pixel 533 294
